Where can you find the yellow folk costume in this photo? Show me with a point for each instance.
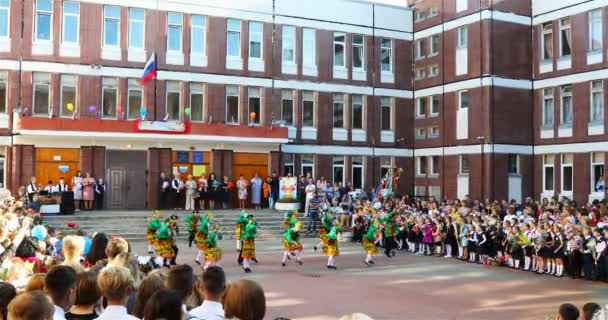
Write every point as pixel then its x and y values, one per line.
pixel 213 254
pixel 248 238
pixel 153 226
pixel 291 242
pixel 333 249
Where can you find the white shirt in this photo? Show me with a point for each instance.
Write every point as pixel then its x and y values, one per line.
pixel 115 313
pixel 209 310
pixel 59 313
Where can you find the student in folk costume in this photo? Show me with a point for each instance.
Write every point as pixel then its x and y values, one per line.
pixel 588 249
pixel 389 231
pixel 172 224
pixel 153 226
pixel 326 224
pixel 600 255
pixel 291 241
pixel 241 222
pixel 213 254
pixel 369 241
pixel 192 221
pixel 200 239
pixel 164 244
pixel 248 251
pixel 558 251
pixel 520 242
pixel 332 245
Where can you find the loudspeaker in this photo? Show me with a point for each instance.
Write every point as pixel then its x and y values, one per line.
pixel 67 203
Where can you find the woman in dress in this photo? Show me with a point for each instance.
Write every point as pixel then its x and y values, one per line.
pixel 88 191
pixel 241 186
pixel 190 187
pixel 202 191
pixel 256 191
pixel 77 189
pixel 213 190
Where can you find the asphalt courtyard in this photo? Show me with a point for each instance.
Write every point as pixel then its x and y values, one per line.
pixel 406 286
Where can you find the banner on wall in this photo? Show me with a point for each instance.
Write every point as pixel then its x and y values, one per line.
pixel 288 188
pixel 199 170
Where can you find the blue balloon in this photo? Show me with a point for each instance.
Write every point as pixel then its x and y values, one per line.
pixel 143 111
pixel 87 245
pixel 39 232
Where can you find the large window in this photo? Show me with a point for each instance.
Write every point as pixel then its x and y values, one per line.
pixel 287 107
pixel 357 112
pixel 68 95
pixel 597 101
pixel 71 22
pixel 255 40
pixel 434 45
pixel 358 52
pixel 232 104
pixel 549 173
pixel 174 31
pixel 111 26
pixel 3 91
pixel 288 164
pixel 109 97
pixel 338 111
pixel 173 101
pixel 136 28
pixel 308 109
pixel 597 172
pixel 567 173
pixel 547 42
pixel 41 94
pixel 308 165
pixel 421 107
pixel 43 24
pixel 434 164
pixel 233 38
pixel 463 37
pixel 4 18
pixel 595 30
pixel 197 102
pixel 435 105
pixel 254 105
pixel 386 114
pixel 386 54
pixel 465 167
pixel 289 44
pixel 386 164
pixel 547 108
pixel 463 100
pixel 338 169
pixel 421 164
pixel 513 164
pixel 566 107
pixel 357 172
pixel 339 45
pixel 420 49
pixel 135 99
pixel 565 37
pixel 309 47
pixel 198 34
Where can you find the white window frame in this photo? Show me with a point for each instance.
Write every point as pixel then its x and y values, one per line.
pixel 592 175
pixel 596 22
pixel 256 37
pixel 42 12
pixel 388 49
pixel 63 20
pixel 463 37
pixel 547 28
pixel 234 31
pixel 181 31
pixel 548 96
pixel 462 5
pixel 517 164
pixel 421 163
pixel 352 112
pixel 67 81
pixel 304 164
pixel 334 166
pixel 286 33
pixel 202 29
pixel 111 86
pixel 420 114
pixel 433 70
pixel 310 97
pixel 309 44
pixel 8 20
pixel 420 52
pixel 420 133
pixel 289 95
pixel 433 171
pixel 461 160
pixel 460 105
pixel 253 93
pixel 354 166
pixel 109 18
pixel 386 165
pixel 132 87
pixel 133 21
pixel 197 88
pixel 565 165
pixel 434 51
pixel 343 44
pixel 46 83
pixel 599 92
pixel 563 27
pixel 431 104
pixel 431 134
pixel 4 81
pixel 288 162
pixel 420 73
pixel 362 47
pixel 174 87
pixel 548 164
pixel 338 101
pixel 389 105
pixel 564 95
pixel 238 96
pixel 420 15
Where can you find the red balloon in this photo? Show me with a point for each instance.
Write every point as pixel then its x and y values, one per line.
pixel 252 115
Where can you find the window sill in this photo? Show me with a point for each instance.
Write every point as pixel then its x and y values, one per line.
pixel 310 71
pixel 340 73
pixel 564 62
pixel 292 132
pixel 339 134
pixel 545 66
pixel 387 137
pixel 3 120
pixel 198 60
pixel 566 194
pixel 434 175
pixel 595 128
pixel 359 75
pixel 433 55
pixel 596 196
pixel 419 117
pixel 420 138
pixel 175 58
pixel 111 53
pixel 564 132
pixel 433 137
pixel 387 77
pixel 289 68
pixel 547 194
pixel 42 48
pixel 234 63
pixel 136 55
pixel 433 115
pixel 358 135
pixel 547 133
pixel 5 44
pixel 595 57
pixel 309 133
pixel 255 64
pixel 69 50
pixel 421 176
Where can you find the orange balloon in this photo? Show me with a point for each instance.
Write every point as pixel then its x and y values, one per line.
pixel 252 115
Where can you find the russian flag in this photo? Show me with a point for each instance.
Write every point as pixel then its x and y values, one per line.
pixel 149 70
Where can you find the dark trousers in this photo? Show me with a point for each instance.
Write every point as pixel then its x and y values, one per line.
pixel 589 267
pixel 162 200
pixel 190 238
pixel 575 264
pixel 313 217
pixel 98 201
pixel 389 244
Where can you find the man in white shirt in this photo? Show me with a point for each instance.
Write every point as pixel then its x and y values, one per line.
pixel 310 190
pixel 211 289
pixel 62 186
pixel 60 284
pixel 116 285
pixel 32 188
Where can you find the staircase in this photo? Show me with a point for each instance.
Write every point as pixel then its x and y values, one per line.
pixel 131 225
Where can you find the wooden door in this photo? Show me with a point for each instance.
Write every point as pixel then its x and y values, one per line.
pixel 117 185
pixel 248 164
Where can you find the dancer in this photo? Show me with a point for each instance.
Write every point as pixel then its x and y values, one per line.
pixel 165 245
pixel 191 221
pixel 248 251
pixel 369 241
pixel 326 224
pixel 200 239
pixel 213 254
pixel 153 226
pixel 291 241
pixel 332 246
pixel 241 223
pixel 389 229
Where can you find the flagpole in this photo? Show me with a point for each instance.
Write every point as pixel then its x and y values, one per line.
pixel 155 76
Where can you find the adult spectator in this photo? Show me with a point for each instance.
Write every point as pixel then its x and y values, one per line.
pixel 88 298
pixel 153 282
pixel 310 192
pixel 211 289
pixel 98 250
pixel 590 310
pixel 244 300
pixel 164 190
pixel 181 280
pixel 73 247
pixel 34 305
pixel 314 205
pixel 568 311
pixel 164 304
pixel 274 189
pixel 60 284
pixel 116 285
pixel 8 247
pixel 7 293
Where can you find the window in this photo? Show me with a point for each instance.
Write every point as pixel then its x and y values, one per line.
pixel 41 94
pixel 358 52
pixel 287 107
pixel 462 5
pixel 595 30
pixel 197 102
pixel 420 73
pixel 567 173
pixel 109 97
pixel 419 191
pixel 71 22
pixel 434 164
pixel 255 40
pixel 173 110
pixel 385 166
pixel 548 108
pixel 386 56
pixel 136 28
pixel 463 37
pixel 308 109
pixel 254 105
pixel 111 26
pixel 597 101
pixel 288 163
pixel 309 47
pixel 386 105
pixel 421 15
pixel 566 107
pixel 4 18
pixel 420 49
pixel 308 165
pixel 597 172
pixel 547 42
pixel 513 164
pixel 233 38
pixel 433 12
pixel 198 35
pixel 232 104
pixel 174 31
pixel 434 45
pixel 44 26
pixel 433 132
pixel 420 134
pixel 421 166
pixel 421 107
pixel 289 44
pixel 135 99
pixel 433 70
pixel 464 164
pixel 338 111
pixel 548 173
pixel 357 172
pixel 339 45
pixel 463 100
pixel 338 169
pixel 434 106
pixel 68 95
pixel 565 37
pixel 357 112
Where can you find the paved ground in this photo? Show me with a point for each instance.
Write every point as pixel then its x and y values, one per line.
pixel 404 287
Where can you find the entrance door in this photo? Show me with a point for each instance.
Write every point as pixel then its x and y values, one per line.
pixel 127 179
pixel 117 185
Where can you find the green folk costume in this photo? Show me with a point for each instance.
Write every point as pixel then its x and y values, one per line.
pixel 332 242
pixel 369 238
pixel 164 242
pixel 291 238
pixel 389 229
pixel 212 253
pixel 241 223
pixel 249 240
pixel 153 226
pixel 191 222
pixel 201 234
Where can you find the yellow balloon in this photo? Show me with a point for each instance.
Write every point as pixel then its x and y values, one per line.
pixel 70 107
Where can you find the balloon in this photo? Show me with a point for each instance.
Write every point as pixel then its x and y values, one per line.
pixel 119 110
pixel 39 232
pixel 92 109
pixel 188 112
pixel 143 111
pixel 252 116
pixel 70 107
